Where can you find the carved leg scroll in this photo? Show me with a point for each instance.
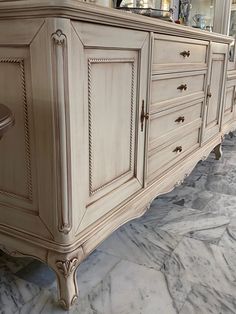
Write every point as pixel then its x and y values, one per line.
pixel 65 266
pixel 218 151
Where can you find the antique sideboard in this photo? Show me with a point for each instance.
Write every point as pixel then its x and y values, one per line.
pixel 111 109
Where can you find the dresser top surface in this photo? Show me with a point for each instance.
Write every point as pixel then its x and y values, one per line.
pixel 78 10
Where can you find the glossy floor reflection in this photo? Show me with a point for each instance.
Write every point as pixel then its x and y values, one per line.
pixel 180 257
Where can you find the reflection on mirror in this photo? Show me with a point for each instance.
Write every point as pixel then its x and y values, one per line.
pixel 197 13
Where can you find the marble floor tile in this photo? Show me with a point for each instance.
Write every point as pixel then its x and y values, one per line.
pixel 94 269
pixel 203 300
pixel 38 273
pixel 204 200
pixel 14 293
pixel 196 224
pixel 156 212
pixel 229 238
pixel 187 196
pixel 197 262
pixel 44 302
pixel 141 244
pixel 129 288
pixel 222 180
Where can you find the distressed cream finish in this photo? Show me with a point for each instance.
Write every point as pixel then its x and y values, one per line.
pixel 108 115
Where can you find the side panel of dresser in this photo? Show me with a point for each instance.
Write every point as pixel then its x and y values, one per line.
pixel 25 203
pixel 110 101
pixel 229 117
pixel 215 90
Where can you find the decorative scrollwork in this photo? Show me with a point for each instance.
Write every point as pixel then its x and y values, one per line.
pixel 60 70
pixel 66 306
pixel 59 37
pixel 67 267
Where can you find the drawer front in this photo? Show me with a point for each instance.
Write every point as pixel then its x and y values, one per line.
pixel 165 124
pixel 170 50
pixel 166 88
pixel 161 160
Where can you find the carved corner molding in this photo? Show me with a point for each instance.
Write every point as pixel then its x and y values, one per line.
pixel 91 61
pixel 20 63
pixel 62 126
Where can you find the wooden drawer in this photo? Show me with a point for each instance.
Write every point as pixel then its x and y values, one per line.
pixel 172 51
pixel 165 124
pixel 169 88
pixel 160 160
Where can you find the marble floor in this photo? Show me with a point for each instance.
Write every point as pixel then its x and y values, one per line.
pixel 180 257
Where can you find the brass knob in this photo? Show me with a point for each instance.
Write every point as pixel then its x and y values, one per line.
pixel 180 119
pixel 182 87
pixel 185 53
pixel 178 149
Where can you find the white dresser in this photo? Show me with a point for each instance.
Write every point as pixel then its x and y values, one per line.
pixel 111 109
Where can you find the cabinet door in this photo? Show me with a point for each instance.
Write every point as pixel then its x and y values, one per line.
pixel 25 180
pixel 114 88
pixel 215 90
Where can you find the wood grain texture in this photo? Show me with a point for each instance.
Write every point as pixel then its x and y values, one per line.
pixel 102 127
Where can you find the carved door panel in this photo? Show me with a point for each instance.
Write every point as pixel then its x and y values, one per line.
pixel 27 193
pixel 115 70
pixel 215 90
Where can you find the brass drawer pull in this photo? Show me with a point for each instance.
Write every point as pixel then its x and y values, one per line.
pixel 178 149
pixel 185 53
pixel 180 119
pixel 182 87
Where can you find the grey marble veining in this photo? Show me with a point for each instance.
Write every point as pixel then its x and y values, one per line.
pixel 130 288
pixel 14 292
pixel 141 244
pixel 121 291
pixel 194 223
pixel 228 240
pixel 197 262
pixel 203 300
pixel 203 200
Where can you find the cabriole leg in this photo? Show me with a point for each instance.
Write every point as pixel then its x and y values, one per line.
pixel 65 267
